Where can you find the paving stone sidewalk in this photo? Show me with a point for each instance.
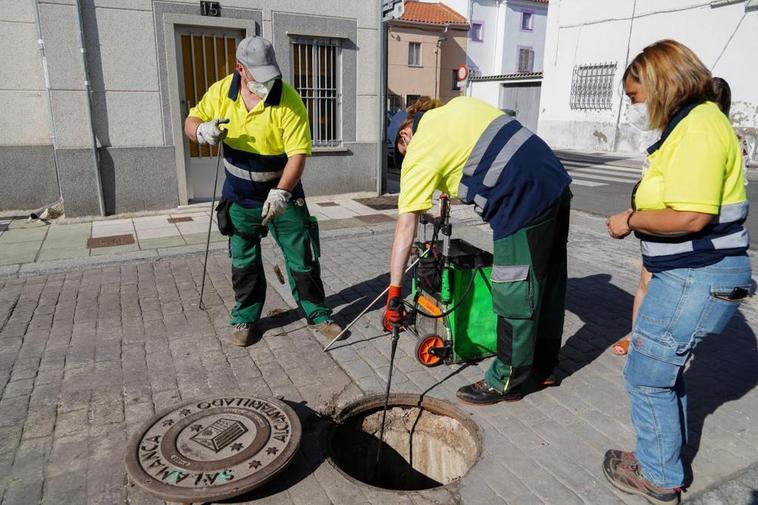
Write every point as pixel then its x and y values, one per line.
pixel 87 356
pixel 548 448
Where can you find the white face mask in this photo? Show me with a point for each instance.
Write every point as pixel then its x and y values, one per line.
pixel 637 115
pixel 260 89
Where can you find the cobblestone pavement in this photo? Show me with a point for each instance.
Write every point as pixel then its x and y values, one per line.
pixel 87 356
pixel 548 447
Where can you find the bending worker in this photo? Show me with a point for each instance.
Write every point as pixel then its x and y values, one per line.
pixel 471 150
pixel 264 151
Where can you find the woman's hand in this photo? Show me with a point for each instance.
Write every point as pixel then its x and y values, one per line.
pixel 618 224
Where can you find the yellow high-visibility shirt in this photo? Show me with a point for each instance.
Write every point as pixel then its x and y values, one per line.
pixel 698 168
pixel 438 151
pixel 278 125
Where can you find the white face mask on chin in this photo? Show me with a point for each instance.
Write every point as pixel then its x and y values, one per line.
pixel 637 115
pixel 260 89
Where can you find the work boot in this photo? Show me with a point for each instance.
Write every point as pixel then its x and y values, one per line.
pixel 480 393
pixel 329 329
pixel 623 471
pixel 245 334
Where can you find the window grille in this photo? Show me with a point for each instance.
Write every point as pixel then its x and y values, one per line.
pixel 414 54
pixel 525 59
pixel 592 86
pixel 317 76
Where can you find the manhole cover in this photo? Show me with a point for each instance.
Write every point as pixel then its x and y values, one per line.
pixel 213 449
pixel 110 241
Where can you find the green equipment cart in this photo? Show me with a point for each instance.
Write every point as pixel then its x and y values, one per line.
pixel 452 297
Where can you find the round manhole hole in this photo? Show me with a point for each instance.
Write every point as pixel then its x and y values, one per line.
pixel 427 442
pixel 213 449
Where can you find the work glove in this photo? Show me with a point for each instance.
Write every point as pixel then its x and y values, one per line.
pixel 394 311
pixel 210 133
pixel 275 204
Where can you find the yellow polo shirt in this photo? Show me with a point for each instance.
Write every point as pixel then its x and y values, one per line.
pixel 698 168
pixel 278 125
pixel 438 151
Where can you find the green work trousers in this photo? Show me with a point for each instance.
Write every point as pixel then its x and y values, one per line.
pixel 529 297
pixel 297 237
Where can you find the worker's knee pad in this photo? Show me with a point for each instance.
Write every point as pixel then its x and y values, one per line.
pixel 245 283
pixel 309 285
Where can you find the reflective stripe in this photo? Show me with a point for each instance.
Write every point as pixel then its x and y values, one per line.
pixel 664 248
pixel 733 240
pixel 485 139
pixel 509 273
pixel 480 201
pixel 504 156
pixel 252 176
pixel 733 212
pixel 462 191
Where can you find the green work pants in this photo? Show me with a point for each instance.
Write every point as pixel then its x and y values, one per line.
pixel 297 237
pixel 529 297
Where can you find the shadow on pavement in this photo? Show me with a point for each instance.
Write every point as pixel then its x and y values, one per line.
pixel 312 453
pixel 722 369
pixel 605 310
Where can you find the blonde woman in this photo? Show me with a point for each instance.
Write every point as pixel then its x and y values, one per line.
pixel 690 209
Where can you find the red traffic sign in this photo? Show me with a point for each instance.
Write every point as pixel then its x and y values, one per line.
pixel 462 72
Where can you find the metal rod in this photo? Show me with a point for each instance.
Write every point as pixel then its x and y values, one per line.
pixel 395 338
pixel 210 225
pixel 372 304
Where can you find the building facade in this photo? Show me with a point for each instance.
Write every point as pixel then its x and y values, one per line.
pixel 590 42
pixel 101 89
pixel 425 46
pixel 505 54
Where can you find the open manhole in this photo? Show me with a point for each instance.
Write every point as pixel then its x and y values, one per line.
pixel 427 442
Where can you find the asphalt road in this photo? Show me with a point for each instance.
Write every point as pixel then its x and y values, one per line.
pixel 603 186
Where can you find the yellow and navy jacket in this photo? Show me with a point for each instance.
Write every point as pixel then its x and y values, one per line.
pixel 470 149
pixel 696 166
pixel 260 141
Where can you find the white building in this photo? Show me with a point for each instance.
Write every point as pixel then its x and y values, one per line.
pixel 505 54
pixel 590 42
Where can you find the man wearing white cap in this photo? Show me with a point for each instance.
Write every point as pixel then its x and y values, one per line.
pixel 265 145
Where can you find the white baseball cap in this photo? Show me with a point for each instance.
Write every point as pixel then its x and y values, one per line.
pixel 257 55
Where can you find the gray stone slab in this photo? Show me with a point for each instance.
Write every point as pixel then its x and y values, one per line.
pixel 60 30
pixel 72 123
pixel 20 57
pixel 138 178
pixel 78 183
pixel 32 172
pixel 128 118
pixel 32 106
pixel 108 56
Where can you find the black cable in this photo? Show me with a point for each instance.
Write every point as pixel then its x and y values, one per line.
pixel 451 309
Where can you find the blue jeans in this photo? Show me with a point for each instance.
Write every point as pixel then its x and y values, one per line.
pixel 681 307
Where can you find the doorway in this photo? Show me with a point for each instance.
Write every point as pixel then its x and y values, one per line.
pixel 205 55
pixel 523 99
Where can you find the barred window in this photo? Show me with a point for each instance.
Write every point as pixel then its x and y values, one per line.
pixel 317 76
pixel 525 59
pixel 592 86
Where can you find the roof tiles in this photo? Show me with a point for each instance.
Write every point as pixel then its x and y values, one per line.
pixel 432 13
